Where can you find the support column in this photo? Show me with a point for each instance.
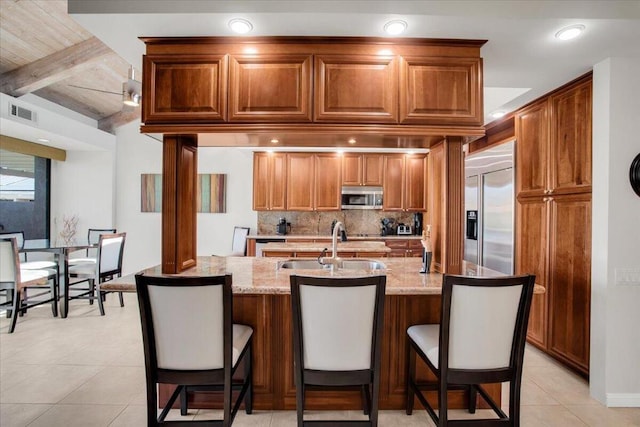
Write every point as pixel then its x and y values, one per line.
pixel 179 180
pixel 453 206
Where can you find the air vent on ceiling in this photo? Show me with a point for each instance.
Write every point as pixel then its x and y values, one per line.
pixel 22 113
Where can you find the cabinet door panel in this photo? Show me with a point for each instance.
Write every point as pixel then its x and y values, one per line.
pixel 441 91
pixel 532 146
pixel 570 279
pixel 327 182
pixel 571 140
pixel 185 89
pixel 261 169
pixel 300 185
pixel 270 88
pixel 394 183
pixel 415 192
pixel 278 179
pixel 531 258
pixel 372 169
pixel 356 89
pixel 352 169
pixel 269 181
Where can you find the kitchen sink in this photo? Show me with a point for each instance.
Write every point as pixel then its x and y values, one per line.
pixel 347 264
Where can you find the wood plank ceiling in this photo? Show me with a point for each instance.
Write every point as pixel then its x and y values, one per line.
pixel 45 52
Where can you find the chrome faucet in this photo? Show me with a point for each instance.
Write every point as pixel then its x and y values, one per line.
pixel 334 261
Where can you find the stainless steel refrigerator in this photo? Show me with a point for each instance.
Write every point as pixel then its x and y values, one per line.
pixel 489 208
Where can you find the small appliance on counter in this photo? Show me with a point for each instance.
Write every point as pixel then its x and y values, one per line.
pixel 417 223
pixel 283 227
pixel 388 227
pixel 404 229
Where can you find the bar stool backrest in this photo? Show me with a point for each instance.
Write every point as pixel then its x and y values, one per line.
pixel 482 326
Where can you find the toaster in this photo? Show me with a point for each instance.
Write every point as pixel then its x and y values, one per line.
pixel 404 229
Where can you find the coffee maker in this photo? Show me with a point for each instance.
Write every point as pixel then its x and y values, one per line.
pixel 417 223
pixel 282 227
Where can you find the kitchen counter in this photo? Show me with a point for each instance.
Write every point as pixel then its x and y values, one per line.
pixel 260 275
pixel 353 247
pixel 328 236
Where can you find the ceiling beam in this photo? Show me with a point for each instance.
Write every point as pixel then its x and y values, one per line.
pixel 53 68
pixel 109 124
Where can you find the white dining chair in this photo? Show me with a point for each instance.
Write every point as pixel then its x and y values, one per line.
pixel 14 281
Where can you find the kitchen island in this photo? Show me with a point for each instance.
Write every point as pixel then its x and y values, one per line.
pixel 262 300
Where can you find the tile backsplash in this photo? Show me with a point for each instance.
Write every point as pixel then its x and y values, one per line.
pixel 319 223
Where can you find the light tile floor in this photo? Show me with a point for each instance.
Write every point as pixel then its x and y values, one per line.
pixel 88 370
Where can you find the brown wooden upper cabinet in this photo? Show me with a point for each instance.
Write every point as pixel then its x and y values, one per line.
pixel 362 169
pixel 184 88
pixel 405 182
pixel 441 91
pixel 570 153
pixel 269 181
pixel 300 181
pixel 356 89
pixel 532 147
pixel 270 88
pixel 554 144
pixel 313 181
pixel 328 179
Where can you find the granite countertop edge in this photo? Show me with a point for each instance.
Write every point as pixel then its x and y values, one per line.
pixel 260 276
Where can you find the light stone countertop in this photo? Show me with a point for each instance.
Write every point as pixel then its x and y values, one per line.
pixel 253 275
pixel 349 246
pixel 328 236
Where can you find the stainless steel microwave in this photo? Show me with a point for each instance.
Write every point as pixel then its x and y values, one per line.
pixel 361 197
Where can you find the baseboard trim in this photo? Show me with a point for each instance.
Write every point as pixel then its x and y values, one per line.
pixel 623 400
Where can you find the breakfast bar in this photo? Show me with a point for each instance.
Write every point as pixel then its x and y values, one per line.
pixel 262 300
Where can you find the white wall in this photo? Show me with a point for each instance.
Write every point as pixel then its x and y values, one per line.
pixel 138 154
pixel 615 309
pixel 215 231
pixel 83 185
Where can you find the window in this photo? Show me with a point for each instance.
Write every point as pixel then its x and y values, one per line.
pixel 17 177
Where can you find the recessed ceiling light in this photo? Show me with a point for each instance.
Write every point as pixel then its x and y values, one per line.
pixel 274 140
pixel 498 114
pixel 351 141
pixel 240 26
pixel 570 32
pixel 394 28
pixel 43 140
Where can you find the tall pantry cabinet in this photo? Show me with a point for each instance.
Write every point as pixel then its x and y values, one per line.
pixel 553 218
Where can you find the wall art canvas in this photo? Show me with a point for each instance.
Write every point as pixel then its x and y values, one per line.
pixel 151 192
pixel 211 193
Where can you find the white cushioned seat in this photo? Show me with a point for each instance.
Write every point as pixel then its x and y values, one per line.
pixel 33 276
pixel 38 265
pixel 74 261
pixel 190 341
pixel 427 338
pixel 480 340
pixel 241 335
pixel 83 269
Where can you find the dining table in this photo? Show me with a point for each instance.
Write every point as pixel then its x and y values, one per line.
pixel 61 253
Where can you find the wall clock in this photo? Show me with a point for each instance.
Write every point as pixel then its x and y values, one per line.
pixel 634 175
